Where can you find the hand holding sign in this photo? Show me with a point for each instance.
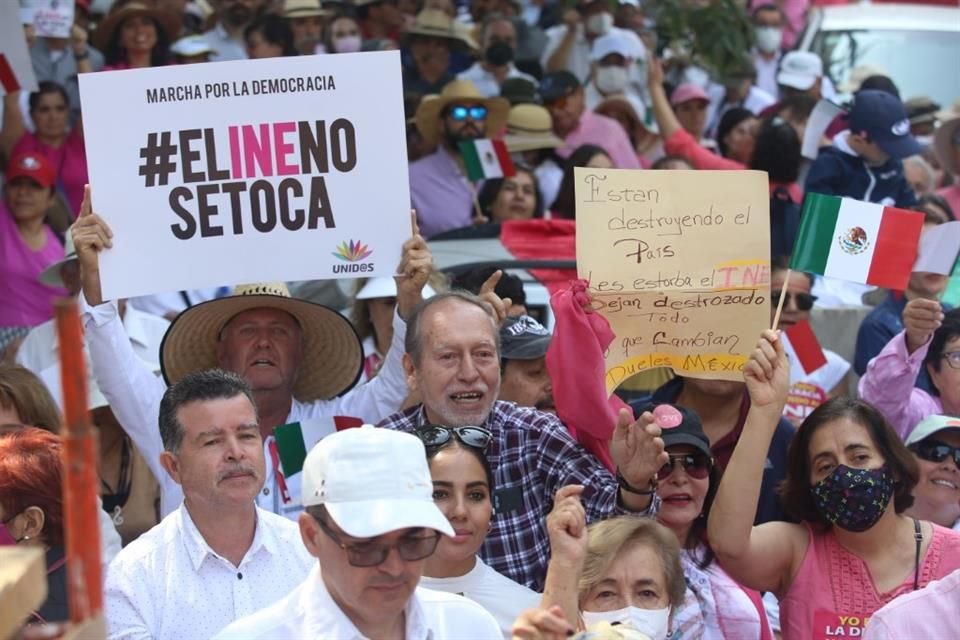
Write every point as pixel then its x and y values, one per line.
pixel 91 235
pixel 416 265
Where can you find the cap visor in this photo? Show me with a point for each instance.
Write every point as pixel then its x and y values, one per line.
pixel 528 350
pixel 901 147
pixel 796 80
pixel 371 518
pixel 670 440
pixel 922 434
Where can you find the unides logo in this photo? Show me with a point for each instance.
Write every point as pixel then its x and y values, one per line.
pixel 355 251
pixel 352 252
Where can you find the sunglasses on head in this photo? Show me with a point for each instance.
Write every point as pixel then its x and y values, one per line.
pixel 372 554
pixel 697 465
pixel 936 451
pixel 804 300
pixel 461 113
pixel 438 435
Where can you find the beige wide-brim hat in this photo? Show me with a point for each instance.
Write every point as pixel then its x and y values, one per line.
pixel 332 356
pixel 435 23
pixel 303 9
pixel 943 144
pixel 168 22
pixel 530 127
pixel 428 113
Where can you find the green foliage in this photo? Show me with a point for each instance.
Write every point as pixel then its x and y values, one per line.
pixel 713 34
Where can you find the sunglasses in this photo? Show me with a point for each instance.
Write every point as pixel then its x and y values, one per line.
pixel 697 465
pixel 934 451
pixel 461 113
pixel 371 554
pixel 804 300
pixel 952 358
pixel 437 435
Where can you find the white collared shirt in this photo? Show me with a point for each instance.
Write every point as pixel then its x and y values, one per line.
pixel 225 47
pixel 495 592
pixel 170 584
pixel 486 82
pixel 310 612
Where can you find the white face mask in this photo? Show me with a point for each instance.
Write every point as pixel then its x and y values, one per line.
pixel 599 23
pixel 348 44
pixel 652 622
pixel 610 80
pixel 769 39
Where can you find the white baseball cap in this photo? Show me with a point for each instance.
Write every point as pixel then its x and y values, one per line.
pixel 386 287
pixel 932 425
pixel 372 481
pixel 800 70
pixel 612 42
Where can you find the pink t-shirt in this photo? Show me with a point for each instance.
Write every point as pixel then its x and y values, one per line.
pixel 69 160
pixel 605 133
pixel 833 595
pixel 27 302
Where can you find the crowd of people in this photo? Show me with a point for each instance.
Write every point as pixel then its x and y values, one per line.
pixel 495 489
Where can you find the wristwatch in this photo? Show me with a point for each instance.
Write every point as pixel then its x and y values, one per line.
pixel 651 489
pixel 81 56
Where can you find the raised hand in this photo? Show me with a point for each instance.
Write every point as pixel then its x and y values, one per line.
pixel 637 449
pixel 567 528
pixel 921 317
pixel 91 235
pixel 767 373
pixel 488 295
pixel 416 265
pixel 542 624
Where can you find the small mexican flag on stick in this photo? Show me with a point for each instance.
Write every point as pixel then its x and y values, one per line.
pixel 485 158
pixel 857 241
pixel 294 440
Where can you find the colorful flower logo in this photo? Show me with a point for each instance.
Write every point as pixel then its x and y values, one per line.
pixel 354 251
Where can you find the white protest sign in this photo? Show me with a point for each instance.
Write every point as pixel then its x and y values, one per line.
pixel 248 171
pixel 16 70
pixel 50 18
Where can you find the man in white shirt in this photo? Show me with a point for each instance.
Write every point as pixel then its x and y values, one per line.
pixel 768 21
pixel 371 522
pixel 498 37
pixel 299 358
pixel 226 36
pixel 218 557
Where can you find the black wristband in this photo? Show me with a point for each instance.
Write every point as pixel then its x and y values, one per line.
pixel 81 56
pixel 626 486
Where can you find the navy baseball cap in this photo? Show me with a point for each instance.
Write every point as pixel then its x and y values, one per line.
pixel 556 85
pixel 523 338
pixel 883 118
pixel 680 425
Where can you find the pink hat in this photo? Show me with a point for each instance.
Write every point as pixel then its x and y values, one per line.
pixel 686 92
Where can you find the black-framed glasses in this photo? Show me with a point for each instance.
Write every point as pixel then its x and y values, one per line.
pixel 461 113
pixel 952 358
pixel 804 300
pixel 371 554
pixel 936 451
pixel 697 465
pixel 437 435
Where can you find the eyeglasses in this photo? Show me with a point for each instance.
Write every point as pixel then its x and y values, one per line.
pixel 952 358
pixel 697 465
pixel 804 300
pixel 437 435
pixel 935 451
pixel 371 554
pixel 460 113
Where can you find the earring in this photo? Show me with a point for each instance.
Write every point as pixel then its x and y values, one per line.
pixel 27 538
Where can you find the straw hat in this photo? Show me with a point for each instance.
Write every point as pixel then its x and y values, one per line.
pixel 530 127
pixel 428 113
pixel 943 144
pixel 303 9
pixel 167 22
pixel 437 24
pixel 332 353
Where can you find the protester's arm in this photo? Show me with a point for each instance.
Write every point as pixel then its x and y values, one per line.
pixel 541 624
pixel 872 337
pixel 13 127
pixel 663 113
pixel 81 49
pixel 567 528
pixel 557 51
pixel 888 383
pixel 759 557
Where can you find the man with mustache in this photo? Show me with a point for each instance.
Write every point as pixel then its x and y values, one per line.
pixel 218 557
pixel 226 36
pixel 439 190
pixel 524 378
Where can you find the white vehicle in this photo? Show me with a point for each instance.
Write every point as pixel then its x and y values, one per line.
pixel 917 46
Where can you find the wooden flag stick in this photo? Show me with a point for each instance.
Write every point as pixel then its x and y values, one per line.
pixel 80 475
pixel 783 296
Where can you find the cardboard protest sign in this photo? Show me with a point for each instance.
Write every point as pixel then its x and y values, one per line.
pixel 248 171
pixel 16 70
pixel 50 18
pixel 678 263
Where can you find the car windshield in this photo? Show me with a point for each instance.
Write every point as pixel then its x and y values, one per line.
pixel 919 62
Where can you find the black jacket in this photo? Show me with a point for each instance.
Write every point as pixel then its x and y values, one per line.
pixel 837 172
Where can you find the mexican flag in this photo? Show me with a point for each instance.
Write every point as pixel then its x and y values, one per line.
pixel 803 350
pixel 295 439
pixel 857 241
pixel 485 158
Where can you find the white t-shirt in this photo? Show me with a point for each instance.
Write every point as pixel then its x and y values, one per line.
pixel 495 592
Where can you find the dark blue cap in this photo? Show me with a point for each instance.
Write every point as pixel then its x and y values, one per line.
pixel 556 85
pixel 883 118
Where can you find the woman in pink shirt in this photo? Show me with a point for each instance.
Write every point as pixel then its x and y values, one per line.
pixel 849 480
pixel 61 146
pixel 27 245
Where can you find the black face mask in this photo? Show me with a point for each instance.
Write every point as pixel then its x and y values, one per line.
pixel 499 54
